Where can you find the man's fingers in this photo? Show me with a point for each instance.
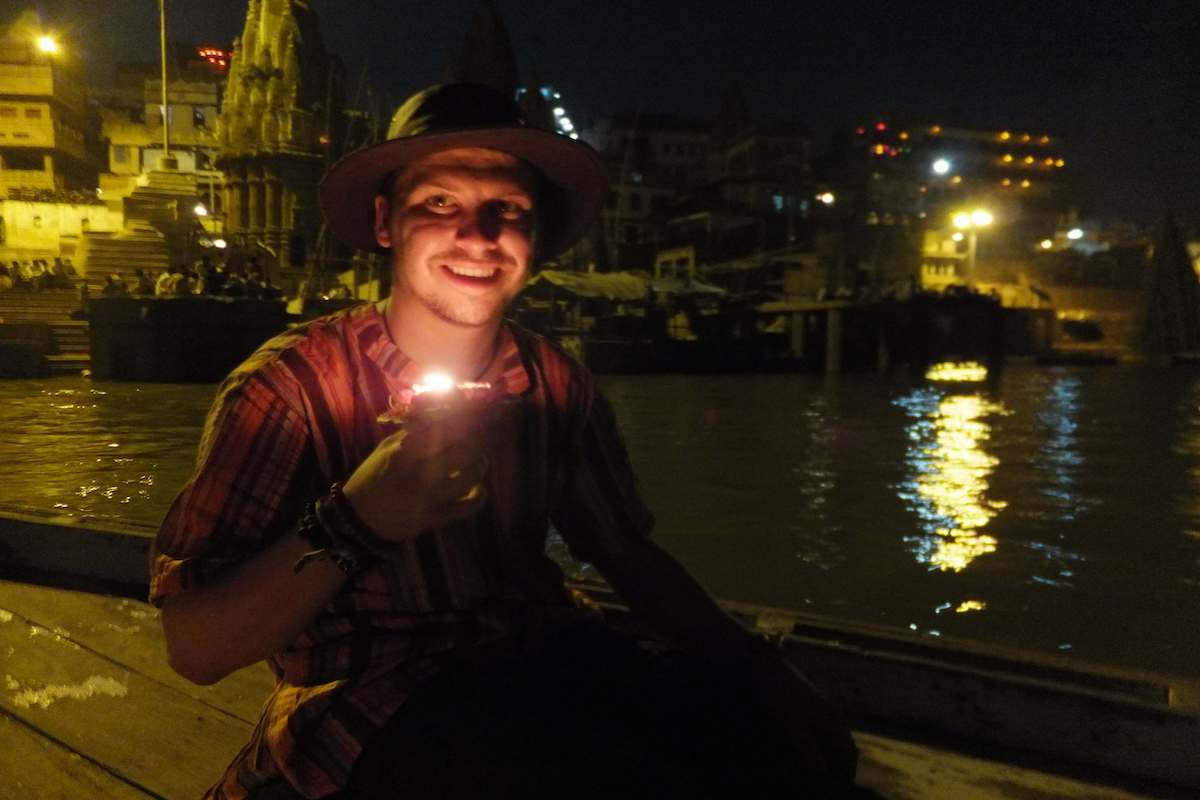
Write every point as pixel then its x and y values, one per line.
pixel 459 483
pixel 468 505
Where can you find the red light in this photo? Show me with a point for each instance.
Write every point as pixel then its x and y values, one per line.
pixel 861 131
pixel 879 126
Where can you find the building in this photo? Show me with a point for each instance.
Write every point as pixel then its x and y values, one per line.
pixel 652 160
pixel 280 125
pixel 132 122
pixel 49 153
pixel 914 176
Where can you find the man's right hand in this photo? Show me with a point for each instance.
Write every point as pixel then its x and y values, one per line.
pixel 425 476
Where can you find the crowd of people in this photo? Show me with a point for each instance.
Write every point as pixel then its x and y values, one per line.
pixel 38 274
pixel 204 278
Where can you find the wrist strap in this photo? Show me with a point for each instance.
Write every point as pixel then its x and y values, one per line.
pixel 332 531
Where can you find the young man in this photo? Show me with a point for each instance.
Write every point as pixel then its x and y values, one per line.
pixel 396 579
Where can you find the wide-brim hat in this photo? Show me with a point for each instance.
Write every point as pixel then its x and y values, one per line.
pixel 455 115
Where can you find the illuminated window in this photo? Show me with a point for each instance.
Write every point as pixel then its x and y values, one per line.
pixel 1025 137
pixel 1006 182
pixel 1008 158
pixel 1060 163
pixel 956 179
pixel 1049 162
pixel 879 149
pixel 903 136
pixel 1005 136
pixel 1025 184
pixel 1028 159
pixel 935 130
pixel 1045 140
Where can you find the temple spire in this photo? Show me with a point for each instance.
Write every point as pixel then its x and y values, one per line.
pixel 1172 323
pixel 486 56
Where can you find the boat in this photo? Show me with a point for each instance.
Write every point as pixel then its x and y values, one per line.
pixel 934 717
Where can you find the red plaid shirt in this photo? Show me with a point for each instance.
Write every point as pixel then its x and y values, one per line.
pixel 300 414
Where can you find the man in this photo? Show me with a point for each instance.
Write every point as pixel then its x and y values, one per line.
pixel 396 580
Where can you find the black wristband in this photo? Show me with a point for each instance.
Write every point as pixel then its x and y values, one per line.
pixel 344 524
pixel 348 556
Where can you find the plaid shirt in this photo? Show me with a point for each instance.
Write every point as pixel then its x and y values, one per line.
pixel 300 414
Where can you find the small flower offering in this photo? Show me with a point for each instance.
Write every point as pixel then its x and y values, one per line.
pixel 436 393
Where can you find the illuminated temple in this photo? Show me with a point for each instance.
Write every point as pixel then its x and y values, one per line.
pixel 276 130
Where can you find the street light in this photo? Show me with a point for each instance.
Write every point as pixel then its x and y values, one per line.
pixel 971 222
pixel 47 44
pixel 1075 233
pixel 941 166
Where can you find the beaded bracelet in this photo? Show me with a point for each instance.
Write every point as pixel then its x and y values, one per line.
pixel 344 524
pixel 346 556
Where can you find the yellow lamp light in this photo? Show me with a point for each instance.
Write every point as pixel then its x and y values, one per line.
pixel 47 44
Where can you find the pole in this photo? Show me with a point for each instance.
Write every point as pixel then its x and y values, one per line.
pixel 162 26
pixel 971 242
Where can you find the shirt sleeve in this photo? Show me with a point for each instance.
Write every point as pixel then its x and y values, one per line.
pixel 242 494
pixel 601 511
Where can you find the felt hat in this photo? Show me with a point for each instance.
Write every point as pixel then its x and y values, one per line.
pixel 455 115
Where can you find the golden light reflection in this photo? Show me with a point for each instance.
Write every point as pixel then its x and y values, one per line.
pixel 970 605
pixel 952 470
pixel 957 371
pixel 957 484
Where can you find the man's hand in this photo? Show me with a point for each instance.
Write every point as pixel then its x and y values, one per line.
pixel 818 730
pixel 425 476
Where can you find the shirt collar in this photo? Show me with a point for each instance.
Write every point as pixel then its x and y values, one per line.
pixel 508 367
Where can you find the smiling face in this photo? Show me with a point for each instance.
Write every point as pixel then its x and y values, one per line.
pixel 460 225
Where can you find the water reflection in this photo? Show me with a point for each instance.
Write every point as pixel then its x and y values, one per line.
pixel 1060 451
pixel 950 469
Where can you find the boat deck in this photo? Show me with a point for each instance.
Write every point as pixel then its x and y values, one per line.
pixel 90 709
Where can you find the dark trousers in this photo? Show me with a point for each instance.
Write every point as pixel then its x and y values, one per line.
pixel 586 714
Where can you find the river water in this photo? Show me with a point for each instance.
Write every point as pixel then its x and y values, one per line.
pixel 1054 509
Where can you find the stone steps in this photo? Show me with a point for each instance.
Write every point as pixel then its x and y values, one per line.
pixel 70 349
pixel 141 246
pixel 65 364
pixel 41 306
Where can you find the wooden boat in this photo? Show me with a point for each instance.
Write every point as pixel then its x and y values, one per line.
pixel 934 718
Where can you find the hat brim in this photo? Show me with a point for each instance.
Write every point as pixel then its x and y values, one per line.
pixel 348 190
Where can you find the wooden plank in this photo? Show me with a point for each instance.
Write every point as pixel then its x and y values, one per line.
pixel 1109 726
pixel 71 546
pixel 34 766
pixel 128 632
pixel 904 771
pixel 148 734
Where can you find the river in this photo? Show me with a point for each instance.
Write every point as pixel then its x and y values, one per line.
pixel 1054 509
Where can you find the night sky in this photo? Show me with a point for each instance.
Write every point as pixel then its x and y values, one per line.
pixel 1120 80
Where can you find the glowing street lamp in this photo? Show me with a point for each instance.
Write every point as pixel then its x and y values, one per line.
pixel 827 198
pixel 941 166
pixel 971 222
pixel 1047 244
pixel 200 210
pixel 1075 234
pixel 47 44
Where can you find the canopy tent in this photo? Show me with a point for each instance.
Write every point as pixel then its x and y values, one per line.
pixel 619 286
